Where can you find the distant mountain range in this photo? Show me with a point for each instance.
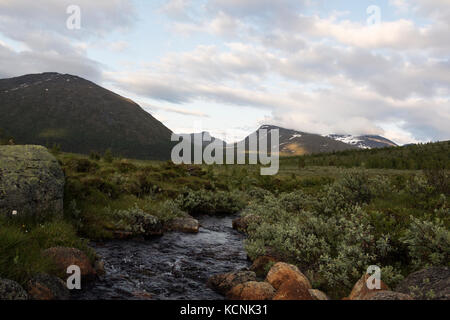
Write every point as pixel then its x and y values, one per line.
pixel 293 142
pixel 81 117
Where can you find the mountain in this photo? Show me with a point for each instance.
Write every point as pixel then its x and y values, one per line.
pixel 364 142
pixel 199 138
pixel 293 142
pixel 80 116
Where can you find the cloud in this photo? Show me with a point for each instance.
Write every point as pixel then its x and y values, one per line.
pixel 47 44
pixel 14 63
pixel 319 88
pixel 97 17
pixel 181 111
pixel 312 70
pixel 322 73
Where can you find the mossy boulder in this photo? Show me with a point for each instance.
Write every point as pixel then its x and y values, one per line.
pixel 11 290
pixel 64 257
pixel 432 283
pixel 46 287
pixel 31 181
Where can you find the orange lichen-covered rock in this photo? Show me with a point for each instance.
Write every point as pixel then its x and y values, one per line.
pixel 318 295
pixel 360 290
pixel 66 257
pixel 282 272
pixel 293 290
pixel 252 291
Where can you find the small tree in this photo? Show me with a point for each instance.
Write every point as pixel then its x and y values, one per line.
pixel 108 156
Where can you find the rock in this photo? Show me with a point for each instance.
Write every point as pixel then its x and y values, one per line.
pixel 186 225
pixel 223 283
pixel 282 272
pixel 11 290
pixel 318 295
pixel 251 291
pixel 47 287
pixel 387 295
pixel 149 225
pixel 122 235
pixel 142 295
pixel 99 267
pixel 293 290
pixel 360 290
pixel 31 181
pixel 261 264
pixel 65 257
pixel 427 284
pixel 241 224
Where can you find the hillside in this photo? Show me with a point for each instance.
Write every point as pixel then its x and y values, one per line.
pixel 294 142
pixel 79 116
pixel 364 142
pixel 411 157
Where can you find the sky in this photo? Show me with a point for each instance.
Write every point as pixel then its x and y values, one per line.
pixel 230 66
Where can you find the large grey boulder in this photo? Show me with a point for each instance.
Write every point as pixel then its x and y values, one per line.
pixel 11 290
pixel 31 181
pixel 387 295
pixel 428 284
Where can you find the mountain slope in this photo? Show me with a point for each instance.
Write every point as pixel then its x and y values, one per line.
pixel 294 142
pixel 80 116
pixel 364 142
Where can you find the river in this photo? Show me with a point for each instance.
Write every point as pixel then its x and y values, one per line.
pixel 175 266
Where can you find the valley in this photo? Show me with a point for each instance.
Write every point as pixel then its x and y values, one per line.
pixel 86 179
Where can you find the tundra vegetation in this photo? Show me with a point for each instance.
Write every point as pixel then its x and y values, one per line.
pixel 332 215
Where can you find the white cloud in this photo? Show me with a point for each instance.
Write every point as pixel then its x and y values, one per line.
pixel 186 112
pixel 40 27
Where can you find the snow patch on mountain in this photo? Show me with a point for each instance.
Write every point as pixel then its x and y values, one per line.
pixel 349 139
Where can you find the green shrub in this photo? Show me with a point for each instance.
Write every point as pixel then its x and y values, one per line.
pixel 352 189
pixel 101 185
pixel 108 156
pixel 168 210
pixel 333 250
pixel 135 220
pixel 209 202
pixel 439 179
pixel 257 193
pixel 125 166
pixel 95 156
pixel 428 243
pixel 82 165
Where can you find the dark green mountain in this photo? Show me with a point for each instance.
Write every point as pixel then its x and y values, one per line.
pixel 80 116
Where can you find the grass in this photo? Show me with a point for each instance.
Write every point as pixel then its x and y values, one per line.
pixel 105 194
pixel 21 244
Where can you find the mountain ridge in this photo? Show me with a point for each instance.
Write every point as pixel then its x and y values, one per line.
pixel 80 116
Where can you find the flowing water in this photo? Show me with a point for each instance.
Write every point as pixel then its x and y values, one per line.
pixel 175 266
